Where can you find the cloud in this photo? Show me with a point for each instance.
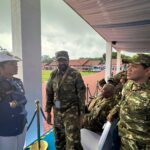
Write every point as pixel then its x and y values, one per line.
pixel 5 17
pixel 6 41
pixel 62 28
pixel 78 45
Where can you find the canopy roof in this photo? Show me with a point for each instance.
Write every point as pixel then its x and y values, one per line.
pixel 126 22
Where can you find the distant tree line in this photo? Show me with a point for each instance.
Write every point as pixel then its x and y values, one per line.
pixel 125 59
pixel 114 56
pixel 46 59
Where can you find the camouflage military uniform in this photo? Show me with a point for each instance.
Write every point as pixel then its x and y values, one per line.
pixel 102 82
pixel 71 95
pixel 134 124
pixel 134 112
pixel 96 118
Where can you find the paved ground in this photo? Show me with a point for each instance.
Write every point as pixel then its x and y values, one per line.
pixel 91 80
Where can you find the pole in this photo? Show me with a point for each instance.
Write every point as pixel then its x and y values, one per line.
pixel 38 123
pixel 87 93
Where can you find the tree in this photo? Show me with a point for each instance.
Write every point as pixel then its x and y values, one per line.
pixel 114 55
pixel 125 59
pixel 47 59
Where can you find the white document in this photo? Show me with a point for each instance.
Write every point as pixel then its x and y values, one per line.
pixel 104 135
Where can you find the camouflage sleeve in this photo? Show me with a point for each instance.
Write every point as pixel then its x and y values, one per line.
pixel 49 94
pixel 99 114
pixel 81 89
pixel 116 109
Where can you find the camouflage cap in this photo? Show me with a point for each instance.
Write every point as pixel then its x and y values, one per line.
pixel 141 59
pixel 62 55
pixel 102 82
pixel 111 80
pixel 122 74
pixel 6 56
pixel 116 78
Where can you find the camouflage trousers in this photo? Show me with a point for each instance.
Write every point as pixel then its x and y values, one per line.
pixel 127 144
pixel 67 129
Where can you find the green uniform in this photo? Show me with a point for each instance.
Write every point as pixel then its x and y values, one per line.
pixel 96 118
pixel 134 113
pixel 67 97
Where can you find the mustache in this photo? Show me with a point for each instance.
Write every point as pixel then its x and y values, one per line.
pixel 63 67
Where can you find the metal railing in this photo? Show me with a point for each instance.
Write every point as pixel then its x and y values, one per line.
pixel 38 109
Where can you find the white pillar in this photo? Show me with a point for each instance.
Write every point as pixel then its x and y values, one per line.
pixel 118 61
pixel 26 38
pixel 108 60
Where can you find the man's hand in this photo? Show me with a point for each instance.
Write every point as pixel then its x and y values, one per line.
pixel 48 118
pixel 110 118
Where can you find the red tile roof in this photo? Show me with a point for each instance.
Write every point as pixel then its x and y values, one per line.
pixel 77 62
pixel 80 62
pixel 92 63
pixel 54 63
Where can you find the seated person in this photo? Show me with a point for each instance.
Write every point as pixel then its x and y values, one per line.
pixel 97 112
pixel 99 87
pixel 102 82
pixel 118 81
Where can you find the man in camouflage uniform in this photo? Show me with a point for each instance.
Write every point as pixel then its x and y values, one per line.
pixel 101 83
pixel 66 94
pixel 118 81
pixel 99 109
pixel 134 108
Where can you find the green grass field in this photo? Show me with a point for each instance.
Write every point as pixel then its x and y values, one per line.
pixel 46 73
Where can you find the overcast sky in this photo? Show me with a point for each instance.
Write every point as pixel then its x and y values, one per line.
pixel 62 29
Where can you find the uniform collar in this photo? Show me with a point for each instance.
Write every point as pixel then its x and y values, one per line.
pixel 137 86
pixel 62 72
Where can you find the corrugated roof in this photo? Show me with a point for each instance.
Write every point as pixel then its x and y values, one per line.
pixel 77 62
pixel 54 63
pixel 93 63
pixel 125 21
